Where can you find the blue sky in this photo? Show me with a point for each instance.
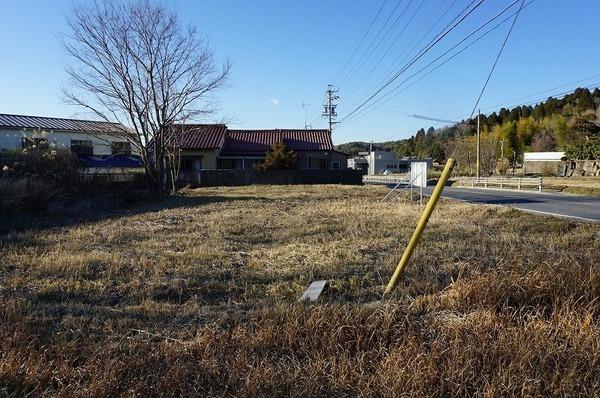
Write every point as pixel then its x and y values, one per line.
pixel 284 53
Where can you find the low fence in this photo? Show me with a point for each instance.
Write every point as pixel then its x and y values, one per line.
pixel 211 178
pixel 502 182
pixel 387 179
pixel 109 178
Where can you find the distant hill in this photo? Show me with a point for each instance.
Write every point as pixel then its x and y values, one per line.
pixel 570 123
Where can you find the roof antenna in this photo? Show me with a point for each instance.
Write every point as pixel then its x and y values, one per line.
pixel 305 106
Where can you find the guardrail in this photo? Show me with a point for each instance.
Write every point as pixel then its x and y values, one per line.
pixel 387 180
pixel 502 182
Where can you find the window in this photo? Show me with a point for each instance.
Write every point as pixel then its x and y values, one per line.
pixel 34 143
pixel 335 165
pixel 120 148
pixel 189 164
pixel 82 147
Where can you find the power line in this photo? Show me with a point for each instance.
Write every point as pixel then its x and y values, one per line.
pixel 368 56
pixel 361 41
pixel 393 92
pixel 353 70
pixel 400 57
pixel 541 100
pixel 557 96
pixel 498 57
pixel 542 92
pixel 427 48
pixel 394 64
pixel 373 66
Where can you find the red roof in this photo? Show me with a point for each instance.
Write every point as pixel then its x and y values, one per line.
pixel 200 136
pixel 253 142
pixel 259 141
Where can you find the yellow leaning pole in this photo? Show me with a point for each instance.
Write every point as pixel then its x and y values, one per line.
pixel 435 197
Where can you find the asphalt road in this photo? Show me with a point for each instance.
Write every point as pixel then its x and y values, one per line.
pixel 549 203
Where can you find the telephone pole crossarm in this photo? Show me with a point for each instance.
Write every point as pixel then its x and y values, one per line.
pixel 329 108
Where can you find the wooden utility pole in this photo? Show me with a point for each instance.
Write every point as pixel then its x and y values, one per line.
pixel 478 146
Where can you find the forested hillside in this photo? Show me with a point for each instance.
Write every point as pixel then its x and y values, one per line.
pixel 570 123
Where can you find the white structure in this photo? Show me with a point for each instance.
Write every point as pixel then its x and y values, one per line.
pixel 380 161
pixel 547 163
pixel 100 144
pixel 377 162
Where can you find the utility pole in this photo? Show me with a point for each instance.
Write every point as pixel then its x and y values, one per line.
pixel 329 110
pixel 478 146
pixel 502 153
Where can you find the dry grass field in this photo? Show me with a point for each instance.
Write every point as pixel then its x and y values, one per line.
pixel 196 296
pixel 576 185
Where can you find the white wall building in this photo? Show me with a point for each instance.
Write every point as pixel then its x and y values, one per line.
pixel 544 163
pixel 97 143
pixel 380 161
pixel 376 162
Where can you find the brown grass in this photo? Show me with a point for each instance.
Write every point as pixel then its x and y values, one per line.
pixel 589 186
pixel 196 297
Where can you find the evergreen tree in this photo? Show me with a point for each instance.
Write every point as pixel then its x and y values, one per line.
pixel 539 112
pixel 504 114
pixel 493 120
pixel 278 157
pixel 584 100
pixel 596 95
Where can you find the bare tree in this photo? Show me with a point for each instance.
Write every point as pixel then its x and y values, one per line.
pixel 133 63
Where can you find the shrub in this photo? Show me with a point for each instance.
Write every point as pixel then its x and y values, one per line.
pixel 278 158
pixel 57 165
pixel 29 179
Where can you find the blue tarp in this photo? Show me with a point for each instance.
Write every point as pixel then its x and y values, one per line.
pixel 112 161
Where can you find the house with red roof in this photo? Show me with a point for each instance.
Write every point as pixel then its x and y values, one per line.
pixel 214 146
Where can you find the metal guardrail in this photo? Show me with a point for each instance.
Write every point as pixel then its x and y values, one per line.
pixel 388 179
pixel 502 182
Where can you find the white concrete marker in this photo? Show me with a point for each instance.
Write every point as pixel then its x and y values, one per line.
pixel 313 291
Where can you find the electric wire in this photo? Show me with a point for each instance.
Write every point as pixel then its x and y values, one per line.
pixel 364 54
pixel 374 65
pixel 361 40
pixel 427 48
pixel 498 57
pixel 393 92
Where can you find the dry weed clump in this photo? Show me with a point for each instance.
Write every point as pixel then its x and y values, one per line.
pixel 196 297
